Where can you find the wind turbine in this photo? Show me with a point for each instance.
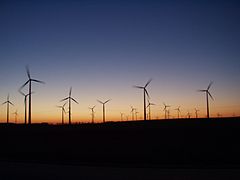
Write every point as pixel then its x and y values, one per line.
pixel 178 111
pixel 92 110
pixel 149 109
pixel 69 98
pixel 29 81
pixel 103 103
pixel 63 111
pixel 196 112
pixel 136 113
pixel 188 115
pixel 207 93
pixel 25 105
pixel 122 114
pixel 144 97
pixel 165 109
pixel 8 102
pixel 132 111
pixel 16 115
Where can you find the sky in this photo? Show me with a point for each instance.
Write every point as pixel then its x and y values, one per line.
pixel 102 48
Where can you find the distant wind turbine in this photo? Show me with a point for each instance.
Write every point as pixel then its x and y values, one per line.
pixel 207 94
pixel 29 81
pixel 63 111
pixel 132 111
pixel 196 112
pixel 25 105
pixel 165 110
pixel 122 114
pixel 178 111
pixel 103 103
pixel 149 109
pixel 92 113
pixel 16 116
pixel 69 98
pixel 136 113
pixel 188 115
pixel 8 102
pixel 144 97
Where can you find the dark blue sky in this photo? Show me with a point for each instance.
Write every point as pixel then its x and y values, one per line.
pixel 187 43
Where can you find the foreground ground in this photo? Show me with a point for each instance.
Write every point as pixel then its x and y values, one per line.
pixel 140 150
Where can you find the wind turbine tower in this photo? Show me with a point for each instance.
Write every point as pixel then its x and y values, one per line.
pixel 166 110
pixel 178 111
pixel 196 112
pixel 29 81
pixel 149 109
pixel 63 111
pixel 145 92
pixel 8 102
pixel 103 103
pixel 70 99
pixel 207 94
pixel 92 113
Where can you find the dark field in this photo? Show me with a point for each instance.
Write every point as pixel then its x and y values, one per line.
pixel 193 145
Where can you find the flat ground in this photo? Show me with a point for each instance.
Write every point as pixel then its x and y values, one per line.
pixel 191 148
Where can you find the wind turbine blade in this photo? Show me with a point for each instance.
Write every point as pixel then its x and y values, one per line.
pixel 148 83
pixel 210 95
pixel 70 92
pixel 210 84
pixel 107 101
pixel 24 85
pixel 21 93
pixel 64 104
pixel 147 93
pixel 59 106
pixel 4 103
pixel 28 72
pixel 64 99
pixel 74 100
pixel 11 103
pixel 93 107
pixel 38 81
pixel 139 87
pixel 201 90
pixel 100 101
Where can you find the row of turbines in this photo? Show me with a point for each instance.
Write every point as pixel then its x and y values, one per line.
pixel 68 100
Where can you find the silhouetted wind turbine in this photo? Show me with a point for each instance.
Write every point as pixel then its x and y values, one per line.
pixel 132 111
pixel 16 115
pixel 144 97
pixel 69 98
pixel 196 112
pixel 188 115
pixel 92 110
pixel 103 103
pixel 8 102
pixel 25 105
pixel 136 113
pixel 29 81
pixel 207 93
pixel 149 109
pixel 63 111
pixel 178 111
pixel 165 109
pixel 122 114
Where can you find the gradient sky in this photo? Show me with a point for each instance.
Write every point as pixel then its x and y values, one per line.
pixel 103 48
